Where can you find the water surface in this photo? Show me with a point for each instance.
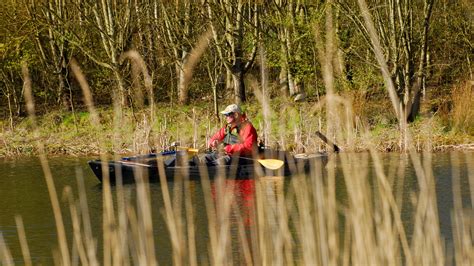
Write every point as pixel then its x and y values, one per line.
pixel 23 192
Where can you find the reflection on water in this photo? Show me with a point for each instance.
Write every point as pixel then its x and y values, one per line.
pixel 23 192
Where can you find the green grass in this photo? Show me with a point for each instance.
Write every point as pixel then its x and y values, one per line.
pixel 292 128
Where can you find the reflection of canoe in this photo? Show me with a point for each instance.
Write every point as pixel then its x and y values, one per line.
pixel 240 168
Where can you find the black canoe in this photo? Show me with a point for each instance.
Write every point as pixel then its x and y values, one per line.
pixel 146 166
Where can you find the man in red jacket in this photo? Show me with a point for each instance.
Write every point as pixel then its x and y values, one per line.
pixel 238 136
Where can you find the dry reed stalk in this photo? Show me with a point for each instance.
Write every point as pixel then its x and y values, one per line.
pixel 30 106
pixel 191 239
pixel 124 231
pixel 136 243
pixel 137 60
pixel 332 216
pixel 267 217
pixel 290 208
pixel 284 231
pixel 470 171
pixel 180 221
pixel 426 220
pixel 463 224
pixel 270 187
pixel 211 213
pixel 90 242
pixel 328 228
pixel 25 251
pixel 108 215
pixel 260 93
pixel 265 101
pixel 5 255
pixel 193 59
pixel 223 209
pixel 260 236
pixel 144 215
pixel 195 129
pixel 400 180
pixel 219 207
pixel 355 171
pixel 391 209
pixel 377 47
pixel 76 226
pixel 324 215
pixel 141 136
pixel 305 222
pixel 244 241
pixel 325 56
pixel 169 214
pixel 254 233
pixel 184 225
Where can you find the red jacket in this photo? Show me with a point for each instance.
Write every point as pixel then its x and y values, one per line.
pixel 248 139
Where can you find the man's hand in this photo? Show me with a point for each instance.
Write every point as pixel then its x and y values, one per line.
pixel 213 144
pixel 221 150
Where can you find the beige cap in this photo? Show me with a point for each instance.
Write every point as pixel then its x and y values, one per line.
pixel 233 108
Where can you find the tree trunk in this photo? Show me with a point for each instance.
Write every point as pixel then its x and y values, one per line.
pixel 63 79
pixel 182 87
pixel 239 86
pixel 229 39
pixel 413 105
pixel 121 89
pixel 114 30
pixel 283 80
pixel 10 113
pixel 229 83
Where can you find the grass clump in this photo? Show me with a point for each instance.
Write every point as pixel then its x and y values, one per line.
pixel 292 127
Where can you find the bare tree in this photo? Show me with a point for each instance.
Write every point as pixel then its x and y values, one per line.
pixel 235 27
pixel 112 22
pixel 288 15
pixel 412 103
pixel 8 89
pixel 176 25
pixel 404 44
pixel 50 20
pixel 214 68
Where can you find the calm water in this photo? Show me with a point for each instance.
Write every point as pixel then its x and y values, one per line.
pixel 23 192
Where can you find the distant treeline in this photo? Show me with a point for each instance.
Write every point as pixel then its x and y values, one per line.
pixel 193 50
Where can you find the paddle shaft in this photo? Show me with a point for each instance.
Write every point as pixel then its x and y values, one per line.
pixel 328 142
pixel 272 164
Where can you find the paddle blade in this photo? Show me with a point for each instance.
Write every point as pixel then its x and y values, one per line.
pixel 272 164
pixel 192 151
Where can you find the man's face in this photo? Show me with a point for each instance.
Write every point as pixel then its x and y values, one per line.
pixel 231 118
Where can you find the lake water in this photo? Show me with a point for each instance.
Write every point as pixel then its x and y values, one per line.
pixel 23 192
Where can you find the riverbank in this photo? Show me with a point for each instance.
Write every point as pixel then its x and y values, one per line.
pixel 290 126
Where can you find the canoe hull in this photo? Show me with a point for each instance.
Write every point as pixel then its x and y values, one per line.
pixel 130 171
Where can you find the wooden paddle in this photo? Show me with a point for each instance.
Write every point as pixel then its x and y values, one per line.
pixel 191 151
pixel 328 142
pixel 272 164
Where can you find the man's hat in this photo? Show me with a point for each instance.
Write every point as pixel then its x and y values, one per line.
pixel 233 108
